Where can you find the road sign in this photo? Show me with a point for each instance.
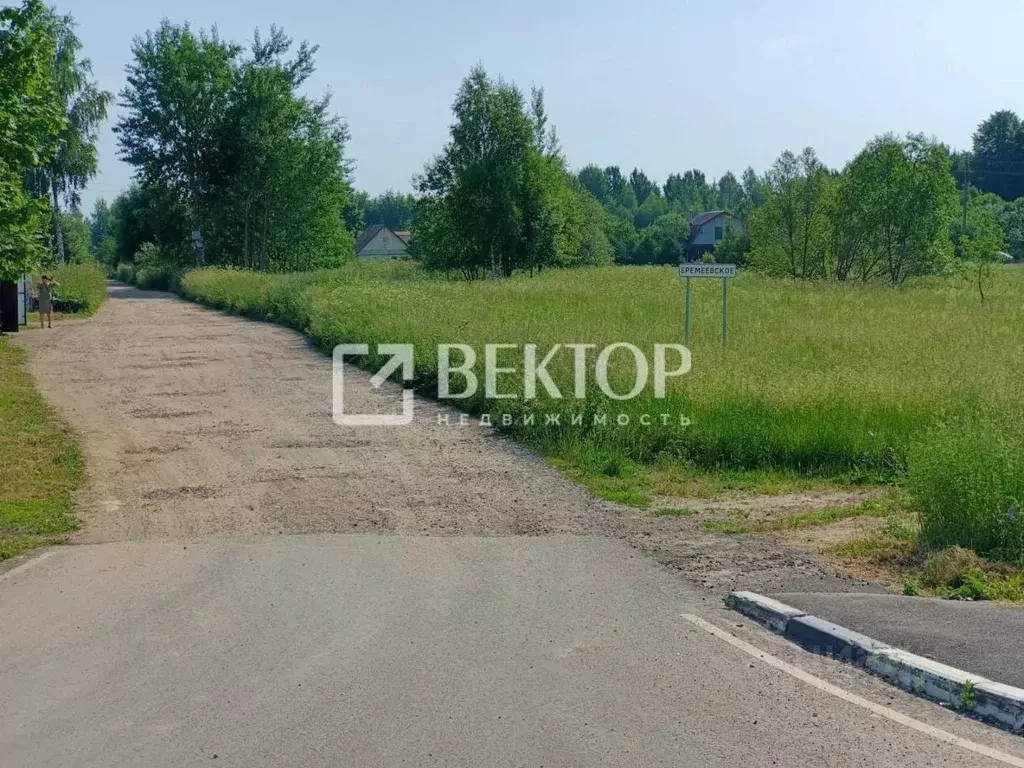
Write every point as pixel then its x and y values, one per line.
pixel 707 270
pixel 720 271
pixel 197 241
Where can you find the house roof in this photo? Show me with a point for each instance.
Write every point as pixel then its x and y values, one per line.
pixel 703 218
pixel 404 234
pixel 367 235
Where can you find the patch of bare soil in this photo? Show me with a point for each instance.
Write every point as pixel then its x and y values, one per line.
pixel 722 562
pixel 759 509
pixel 824 538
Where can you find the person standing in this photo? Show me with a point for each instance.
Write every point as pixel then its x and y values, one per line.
pixel 46 286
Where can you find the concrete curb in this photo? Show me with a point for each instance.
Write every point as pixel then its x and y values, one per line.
pixel 971 694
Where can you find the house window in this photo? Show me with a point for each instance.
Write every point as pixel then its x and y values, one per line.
pixel 719 233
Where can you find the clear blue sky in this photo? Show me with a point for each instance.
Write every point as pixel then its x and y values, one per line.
pixel 665 86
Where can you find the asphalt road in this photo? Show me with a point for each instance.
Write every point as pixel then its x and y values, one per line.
pixel 194 637
pixel 979 637
pixel 363 650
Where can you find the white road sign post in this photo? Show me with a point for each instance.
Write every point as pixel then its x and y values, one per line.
pixel 720 271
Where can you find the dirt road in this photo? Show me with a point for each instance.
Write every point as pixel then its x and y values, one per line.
pixel 198 423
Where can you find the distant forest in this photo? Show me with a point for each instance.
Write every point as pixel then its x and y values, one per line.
pixel 235 164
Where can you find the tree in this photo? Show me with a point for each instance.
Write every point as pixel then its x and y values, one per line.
pixel 596 247
pixel 733 248
pixel 664 242
pixel 729 192
pixel 228 147
pixel 498 197
pixel 984 246
pixel 790 233
pixel 175 100
pixel 596 182
pixel 85 108
pixel 886 216
pixel 148 214
pixel 275 179
pixel 544 136
pixel 1011 218
pixel 102 233
pixel 623 238
pixel 355 212
pixel 31 117
pixel 643 187
pixel 689 192
pixel 997 163
pixel 654 207
pixel 78 237
pixel 753 188
pixel 908 200
pixel 392 209
pixel 616 182
pixel 851 244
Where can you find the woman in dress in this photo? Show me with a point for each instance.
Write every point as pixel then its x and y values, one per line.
pixel 46 286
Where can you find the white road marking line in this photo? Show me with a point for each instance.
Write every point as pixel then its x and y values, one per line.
pixel 31 561
pixel 840 693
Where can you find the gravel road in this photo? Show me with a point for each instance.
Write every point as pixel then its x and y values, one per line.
pixel 197 423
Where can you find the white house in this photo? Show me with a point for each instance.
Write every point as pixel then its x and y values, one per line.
pixel 707 230
pixel 380 242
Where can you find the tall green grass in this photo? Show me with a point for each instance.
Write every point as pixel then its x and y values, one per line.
pixel 967 478
pixel 81 288
pixel 821 380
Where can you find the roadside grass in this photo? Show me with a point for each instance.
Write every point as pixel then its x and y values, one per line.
pixel 896 551
pixel 81 289
pixel 40 463
pixel 821 385
pixel 616 478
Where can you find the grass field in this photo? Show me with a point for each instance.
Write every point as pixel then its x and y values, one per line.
pixel 820 383
pixel 40 463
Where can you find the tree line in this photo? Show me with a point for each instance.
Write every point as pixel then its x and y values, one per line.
pixel 648 223
pixel 234 165
pixel 50 110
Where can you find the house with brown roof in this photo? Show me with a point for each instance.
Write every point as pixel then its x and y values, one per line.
pixel 380 242
pixel 707 230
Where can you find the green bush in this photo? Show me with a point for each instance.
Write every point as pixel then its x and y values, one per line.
pixel 948 567
pixel 155 268
pixel 125 273
pixel 81 288
pixel 157 278
pixel 966 478
pixel 159 268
